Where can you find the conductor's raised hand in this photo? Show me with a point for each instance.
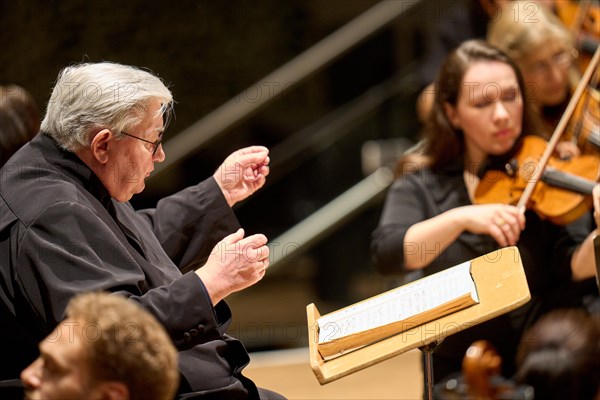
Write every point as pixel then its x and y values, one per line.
pixel 242 173
pixel 234 264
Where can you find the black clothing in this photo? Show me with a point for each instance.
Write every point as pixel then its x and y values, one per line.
pixel 61 234
pixel 448 24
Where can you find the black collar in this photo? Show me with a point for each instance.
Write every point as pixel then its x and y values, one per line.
pixel 71 166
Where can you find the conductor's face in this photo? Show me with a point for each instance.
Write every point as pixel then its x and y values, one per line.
pixel 131 159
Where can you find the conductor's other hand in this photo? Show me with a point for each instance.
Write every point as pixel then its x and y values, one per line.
pixel 243 173
pixel 234 264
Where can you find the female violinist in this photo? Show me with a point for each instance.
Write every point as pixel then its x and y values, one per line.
pixel 429 221
pixel 544 50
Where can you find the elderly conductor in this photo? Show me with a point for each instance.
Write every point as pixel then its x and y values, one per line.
pixel 66 227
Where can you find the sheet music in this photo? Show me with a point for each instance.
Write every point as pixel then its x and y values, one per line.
pixel 399 304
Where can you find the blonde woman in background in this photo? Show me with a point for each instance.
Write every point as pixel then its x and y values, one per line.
pixel 544 50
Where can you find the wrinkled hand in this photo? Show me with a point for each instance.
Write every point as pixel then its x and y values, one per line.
pixel 243 173
pixel 234 264
pixel 502 222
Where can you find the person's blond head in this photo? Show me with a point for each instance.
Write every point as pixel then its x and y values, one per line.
pixel 525 25
pixel 125 343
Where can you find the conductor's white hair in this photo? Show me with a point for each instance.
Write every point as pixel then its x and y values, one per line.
pixel 90 97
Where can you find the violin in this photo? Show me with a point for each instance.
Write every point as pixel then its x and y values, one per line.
pixel 583 20
pixel 556 189
pixel 562 196
pixel 481 378
pixel 584 127
pixel 480 364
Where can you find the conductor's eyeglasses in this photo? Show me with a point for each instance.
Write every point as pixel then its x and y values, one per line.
pixel 155 144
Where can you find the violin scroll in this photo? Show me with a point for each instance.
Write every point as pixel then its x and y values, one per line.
pixel 480 364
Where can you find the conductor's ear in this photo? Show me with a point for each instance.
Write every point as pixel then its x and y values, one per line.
pixel 100 144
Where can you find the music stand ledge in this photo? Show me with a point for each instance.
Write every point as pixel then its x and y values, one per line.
pixel 501 285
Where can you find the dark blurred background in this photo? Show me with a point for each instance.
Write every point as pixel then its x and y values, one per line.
pixel 212 51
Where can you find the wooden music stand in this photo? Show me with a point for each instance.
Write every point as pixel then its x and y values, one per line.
pixel 501 286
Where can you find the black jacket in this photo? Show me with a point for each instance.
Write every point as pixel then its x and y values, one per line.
pixel 62 234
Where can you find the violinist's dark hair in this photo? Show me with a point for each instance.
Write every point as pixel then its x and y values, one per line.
pixel 443 144
pixel 560 356
pixel 19 120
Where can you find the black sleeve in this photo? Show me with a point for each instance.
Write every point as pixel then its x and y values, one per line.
pixel 574 234
pixel 191 222
pixel 69 250
pixel 404 207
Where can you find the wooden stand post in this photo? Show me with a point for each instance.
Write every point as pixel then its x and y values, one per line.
pixel 427 351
